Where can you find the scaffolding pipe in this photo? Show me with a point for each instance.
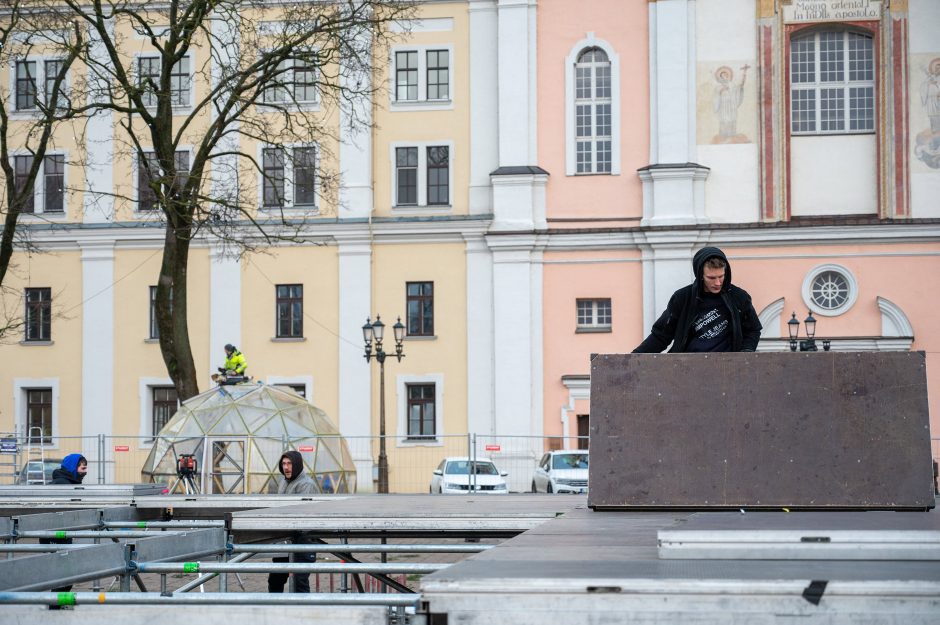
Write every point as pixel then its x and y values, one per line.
pixel 119 534
pixel 202 579
pixel 286 567
pixel 178 524
pixel 30 548
pixel 337 548
pixel 207 598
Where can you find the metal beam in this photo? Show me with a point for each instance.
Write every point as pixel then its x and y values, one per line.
pixel 42 572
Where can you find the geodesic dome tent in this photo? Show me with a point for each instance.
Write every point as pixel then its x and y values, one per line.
pixel 236 435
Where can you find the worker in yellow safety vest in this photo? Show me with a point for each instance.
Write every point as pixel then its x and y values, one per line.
pixel 234 361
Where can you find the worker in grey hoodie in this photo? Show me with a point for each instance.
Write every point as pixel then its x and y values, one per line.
pixel 293 481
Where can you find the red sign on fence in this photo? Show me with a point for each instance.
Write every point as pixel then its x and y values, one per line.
pixel 492 448
pixel 121 448
pixel 305 448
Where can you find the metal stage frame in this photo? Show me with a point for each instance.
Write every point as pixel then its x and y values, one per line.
pixel 559 561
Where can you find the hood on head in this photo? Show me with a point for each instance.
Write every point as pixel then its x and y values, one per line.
pixel 698 265
pixel 296 461
pixel 70 463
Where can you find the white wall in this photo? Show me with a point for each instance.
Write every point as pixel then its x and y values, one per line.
pixel 833 175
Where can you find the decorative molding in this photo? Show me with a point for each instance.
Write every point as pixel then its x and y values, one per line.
pixel 894 322
pixel 770 319
pixel 806 290
pixel 590 41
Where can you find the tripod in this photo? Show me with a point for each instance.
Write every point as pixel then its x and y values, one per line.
pixel 185 470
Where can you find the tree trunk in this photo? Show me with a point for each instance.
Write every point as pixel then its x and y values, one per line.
pixel 171 310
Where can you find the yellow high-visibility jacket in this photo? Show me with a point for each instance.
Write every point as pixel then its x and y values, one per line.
pixel 236 362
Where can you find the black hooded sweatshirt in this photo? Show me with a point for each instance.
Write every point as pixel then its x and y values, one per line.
pixel 675 324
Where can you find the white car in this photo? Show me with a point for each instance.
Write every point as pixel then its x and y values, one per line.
pixel 461 476
pixel 562 472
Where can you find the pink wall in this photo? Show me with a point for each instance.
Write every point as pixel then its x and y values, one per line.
pixel 614 274
pixel 561 24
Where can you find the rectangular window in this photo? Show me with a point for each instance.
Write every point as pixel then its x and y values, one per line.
pixel 39 412
pixel 406 168
pixel 39 314
pixel 53 168
pixel 832 87
pixel 273 172
pixel 148 79
pixel 290 310
pixel 305 80
pixel 21 167
pixel 154 326
pixel 25 85
pixel 51 72
pixel 149 171
pixel 305 178
pixel 594 314
pixel 419 303
pixel 165 404
pixel 276 88
pixel 438 74
pixel 421 407
pixel 584 431
pixel 406 76
pixel 438 175
pixel 300 389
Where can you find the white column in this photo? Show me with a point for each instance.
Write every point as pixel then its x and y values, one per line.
pixel 225 296
pixel 98 199
pixel 355 140
pixel 673 183
pixel 355 387
pixel 97 349
pixel 667 266
pixel 516 70
pixel 481 416
pixel 484 103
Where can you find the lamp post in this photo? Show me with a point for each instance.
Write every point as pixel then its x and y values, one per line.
pixel 809 345
pixel 373 333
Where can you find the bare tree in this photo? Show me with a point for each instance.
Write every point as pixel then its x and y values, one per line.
pixel 196 86
pixel 41 102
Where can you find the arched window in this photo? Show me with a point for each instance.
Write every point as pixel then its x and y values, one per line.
pixel 593 118
pixel 832 90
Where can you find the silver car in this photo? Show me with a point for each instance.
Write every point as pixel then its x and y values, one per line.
pixel 562 472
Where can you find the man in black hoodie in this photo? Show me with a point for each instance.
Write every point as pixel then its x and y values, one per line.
pixel 72 471
pixel 295 481
pixel 709 315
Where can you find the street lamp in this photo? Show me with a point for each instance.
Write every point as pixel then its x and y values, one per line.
pixel 373 334
pixel 809 345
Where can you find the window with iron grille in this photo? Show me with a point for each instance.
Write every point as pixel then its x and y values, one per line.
pixel 149 171
pixel 290 310
pixel 39 314
pixel 165 405
pixel 421 409
pixel 26 85
pixel 832 83
pixel 594 314
pixel 39 412
pixel 593 119
pixel 420 308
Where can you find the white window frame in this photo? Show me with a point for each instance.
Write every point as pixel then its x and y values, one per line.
pixel 845 85
pixel 293 380
pixel 289 206
pixel 20 404
pixel 594 326
pixel 806 290
pixel 135 171
pixel 181 108
pixel 40 79
pixel 145 388
pixel 571 161
pixel 422 204
pixel 39 188
pixel 422 103
pixel 401 386
pixel 289 103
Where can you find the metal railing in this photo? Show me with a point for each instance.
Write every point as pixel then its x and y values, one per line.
pixel 412 461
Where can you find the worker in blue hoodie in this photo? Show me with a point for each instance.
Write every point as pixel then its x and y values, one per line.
pixel 709 315
pixel 73 470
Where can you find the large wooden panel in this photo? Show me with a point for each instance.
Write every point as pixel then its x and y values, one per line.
pixel 760 430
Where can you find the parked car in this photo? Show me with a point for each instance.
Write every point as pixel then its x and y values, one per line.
pixel 31 470
pixel 562 472
pixel 461 476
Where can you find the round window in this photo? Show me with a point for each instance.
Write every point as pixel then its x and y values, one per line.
pixel 829 290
